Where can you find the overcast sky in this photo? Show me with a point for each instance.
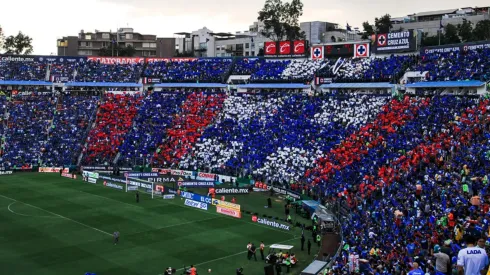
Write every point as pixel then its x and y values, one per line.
pixel 47 20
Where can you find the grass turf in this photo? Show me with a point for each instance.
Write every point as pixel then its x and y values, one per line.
pixel 52 225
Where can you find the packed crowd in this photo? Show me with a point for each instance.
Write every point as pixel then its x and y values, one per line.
pixel 113 121
pixel 23 71
pixel 416 178
pixel 457 65
pixel 198 112
pixel 460 65
pixel 94 71
pixel 210 70
pixel 72 118
pixel 27 124
pixel 150 126
pixel 388 69
pixel 263 134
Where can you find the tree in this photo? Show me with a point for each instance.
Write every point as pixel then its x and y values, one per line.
pixel 383 24
pixel 2 38
pixel 482 30
pixel 118 50
pixel 19 44
pixel 430 40
pixel 465 31
pixel 450 34
pixel 368 30
pixel 281 20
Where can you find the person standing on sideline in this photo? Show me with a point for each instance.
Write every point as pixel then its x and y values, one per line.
pixel 262 246
pixel 116 237
pixel 249 247
pixel 318 239
pixel 309 246
pixel 472 259
pixel 253 249
pixel 302 242
pixel 137 197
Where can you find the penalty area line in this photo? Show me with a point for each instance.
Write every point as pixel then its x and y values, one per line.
pixel 57 215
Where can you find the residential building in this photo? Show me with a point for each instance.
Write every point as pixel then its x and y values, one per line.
pixel 430 22
pixel 90 43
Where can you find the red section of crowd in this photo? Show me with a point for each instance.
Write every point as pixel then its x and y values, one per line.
pixel 392 117
pixel 114 119
pixel 197 112
pixel 443 141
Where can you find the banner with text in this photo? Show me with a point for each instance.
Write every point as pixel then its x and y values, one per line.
pixel 228 211
pixel 116 60
pixel 196 204
pixel 470 46
pixel 394 42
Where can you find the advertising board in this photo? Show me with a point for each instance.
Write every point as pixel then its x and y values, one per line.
pixel 196 204
pixel 228 211
pixel 271 223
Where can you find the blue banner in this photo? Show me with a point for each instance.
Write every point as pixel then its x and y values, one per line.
pixel 44 59
pixel 196 197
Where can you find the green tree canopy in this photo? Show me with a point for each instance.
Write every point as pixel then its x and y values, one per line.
pixel 383 24
pixel 19 44
pixel 118 50
pixel 281 20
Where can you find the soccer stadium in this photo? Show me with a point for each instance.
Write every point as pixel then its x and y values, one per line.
pixel 364 156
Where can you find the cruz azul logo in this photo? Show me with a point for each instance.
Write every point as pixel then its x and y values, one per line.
pixel 299 47
pixel 270 223
pixel 285 47
pixel 270 48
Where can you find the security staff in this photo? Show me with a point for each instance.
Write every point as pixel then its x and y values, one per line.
pixel 262 246
pixel 318 239
pixel 137 197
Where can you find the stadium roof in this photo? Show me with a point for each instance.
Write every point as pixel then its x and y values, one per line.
pixel 373 85
pixel 190 85
pixel 440 12
pixel 182 33
pixel 273 86
pixel 446 84
pixel 25 83
pixel 102 84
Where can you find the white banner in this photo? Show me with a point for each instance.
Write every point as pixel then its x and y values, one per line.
pixel 196 204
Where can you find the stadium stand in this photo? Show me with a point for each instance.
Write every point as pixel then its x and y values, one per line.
pixel 372 69
pixel 72 118
pixel 456 65
pixel 410 170
pixel 23 71
pixel 198 70
pixel 154 118
pixel 94 71
pixel 197 112
pixel 114 120
pixel 27 128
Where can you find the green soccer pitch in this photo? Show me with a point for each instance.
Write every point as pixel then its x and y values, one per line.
pixel 51 225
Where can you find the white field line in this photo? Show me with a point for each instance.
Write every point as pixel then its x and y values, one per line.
pixel 58 215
